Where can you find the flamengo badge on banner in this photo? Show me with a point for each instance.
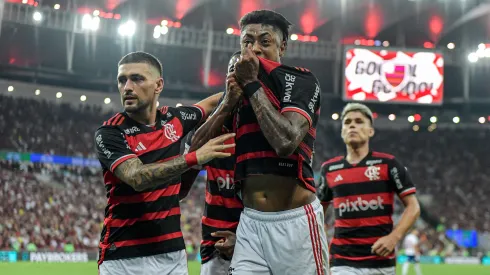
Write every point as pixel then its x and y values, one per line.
pixel 394 76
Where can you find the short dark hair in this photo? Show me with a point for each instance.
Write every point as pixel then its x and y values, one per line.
pixel 142 57
pixel 267 17
pixel 236 53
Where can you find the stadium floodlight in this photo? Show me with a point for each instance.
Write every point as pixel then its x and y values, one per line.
pixel 415 128
pixel 164 30
pixel 37 16
pixel 24 1
pixel 90 23
pixel 411 119
pixel 294 37
pixel 107 100
pixel 37 92
pixel 178 104
pixel 96 13
pixel 433 119
pixel 456 119
pixel 10 88
pixel 386 43
pixel 158 103
pixel 335 116
pixel 164 22
pixel 127 29
pixel 229 31
pixel 473 57
pixel 83 98
pixel 481 46
pixel 450 45
pixel 481 120
pixel 59 95
pixel 392 117
pixel 57 6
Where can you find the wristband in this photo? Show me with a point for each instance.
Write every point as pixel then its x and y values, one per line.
pixel 251 88
pixel 191 159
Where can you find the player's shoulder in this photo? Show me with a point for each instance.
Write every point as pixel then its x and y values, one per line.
pixel 384 156
pixel 333 161
pixel 112 123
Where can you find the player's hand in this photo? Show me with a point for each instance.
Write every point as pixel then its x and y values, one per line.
pixel 384 246
pixel 247 68
pixel 233 89
pixel 227 245
pixel 214 149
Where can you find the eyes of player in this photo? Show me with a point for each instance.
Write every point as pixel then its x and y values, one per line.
pixel 356 120
pixel 134 78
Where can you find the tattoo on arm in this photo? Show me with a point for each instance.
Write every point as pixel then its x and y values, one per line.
pixel 212 127
pixel 284 132
pixel 144 176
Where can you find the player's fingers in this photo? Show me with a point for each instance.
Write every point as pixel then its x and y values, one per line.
pixel 221 139
pixel 223 234
pixel 223 147
pixel 221 155
pixel 375 247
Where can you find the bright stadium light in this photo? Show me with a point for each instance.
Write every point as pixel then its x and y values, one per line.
pixel 411 119
pixel 164 30
pixel 37 92
pixel 83 98
pixel 481 46
pixel 386 43
pixel 481 120
pixel 56 6
pixel 456 119
pixel 450 45
pixel 178 104
pixel 96 12
pixel 294 37
pixel 472 57
pixel 392 117
pixel 164 22
pixel 229 31
pixel 24 1
pixel 107 100
pixel 90 23
pixel 37 16
pixel 433 119
pixel 415 128
pixel 10 88
pixel 127 29
pixel 158 103
pixel 157 32
pixel 59 95
pixel 335 116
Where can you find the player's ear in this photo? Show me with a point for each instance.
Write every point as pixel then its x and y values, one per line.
pixel 159 86
pixel 282 48
pixel 371 132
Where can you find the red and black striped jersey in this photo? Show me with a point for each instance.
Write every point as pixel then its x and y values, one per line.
pixel 363 200
pixel 289 89
pixel 223 207
pixel 143 223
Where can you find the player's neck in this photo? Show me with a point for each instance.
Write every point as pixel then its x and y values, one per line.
pixel 145 117
pixel 356 154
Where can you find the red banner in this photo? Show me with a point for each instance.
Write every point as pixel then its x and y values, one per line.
pixel 394 76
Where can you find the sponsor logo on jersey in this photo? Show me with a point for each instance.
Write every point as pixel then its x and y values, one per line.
pixel 225 183
pixel 373 162
pixel 360 205
pixel 336 167
pixel 314 99
pixel 290 79
pixel 338 178
pixel 396 177
pixel 102 147
pixel 187 116
pixel 131 130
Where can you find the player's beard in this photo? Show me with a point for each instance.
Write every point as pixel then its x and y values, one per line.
pixel 139 107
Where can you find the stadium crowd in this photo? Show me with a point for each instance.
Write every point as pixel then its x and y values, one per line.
pixel 50 207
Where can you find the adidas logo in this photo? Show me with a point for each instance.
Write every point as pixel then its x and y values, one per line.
pixel 338 178
pixel 140 147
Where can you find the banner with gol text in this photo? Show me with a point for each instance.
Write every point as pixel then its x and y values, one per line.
pixel 393 76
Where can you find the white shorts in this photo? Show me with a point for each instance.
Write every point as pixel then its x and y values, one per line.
pixel 288 242
pixel 347 270
pixel 173 263
pixel 215 266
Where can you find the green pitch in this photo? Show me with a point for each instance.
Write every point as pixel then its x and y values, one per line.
pixel 91 269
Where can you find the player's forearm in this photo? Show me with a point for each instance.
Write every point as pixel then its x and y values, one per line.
pixel 213 126
pixel 145 176
pixel 281 134
pixel 409 216
pixel 187 180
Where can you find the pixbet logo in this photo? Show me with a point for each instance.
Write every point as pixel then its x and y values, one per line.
pixel 225 183
pixel 360 205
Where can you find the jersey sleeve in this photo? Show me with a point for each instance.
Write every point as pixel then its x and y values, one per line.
pixel 190 116
pixel 301 94
pixel 111 147
pixel 400 178
pixel 324 193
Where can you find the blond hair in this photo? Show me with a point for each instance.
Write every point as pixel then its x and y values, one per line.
pixel 357 107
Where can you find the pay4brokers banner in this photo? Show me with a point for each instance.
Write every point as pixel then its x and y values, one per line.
pixel 393 75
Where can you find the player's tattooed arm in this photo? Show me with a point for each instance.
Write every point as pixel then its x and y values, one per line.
pixel 145 176
pixel 284 132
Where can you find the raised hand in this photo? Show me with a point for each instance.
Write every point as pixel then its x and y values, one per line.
pixel 214 149
pixel 226 245
pixel 233 90
pixel 247 68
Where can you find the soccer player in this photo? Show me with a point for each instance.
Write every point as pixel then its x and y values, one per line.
pixel 139 153
pixel 411 246
pixel 222 207
pixel 361 185
pixel 281 227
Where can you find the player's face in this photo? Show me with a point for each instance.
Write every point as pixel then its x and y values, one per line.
pixel 139 86
pixel 266 41
pixel 356 128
